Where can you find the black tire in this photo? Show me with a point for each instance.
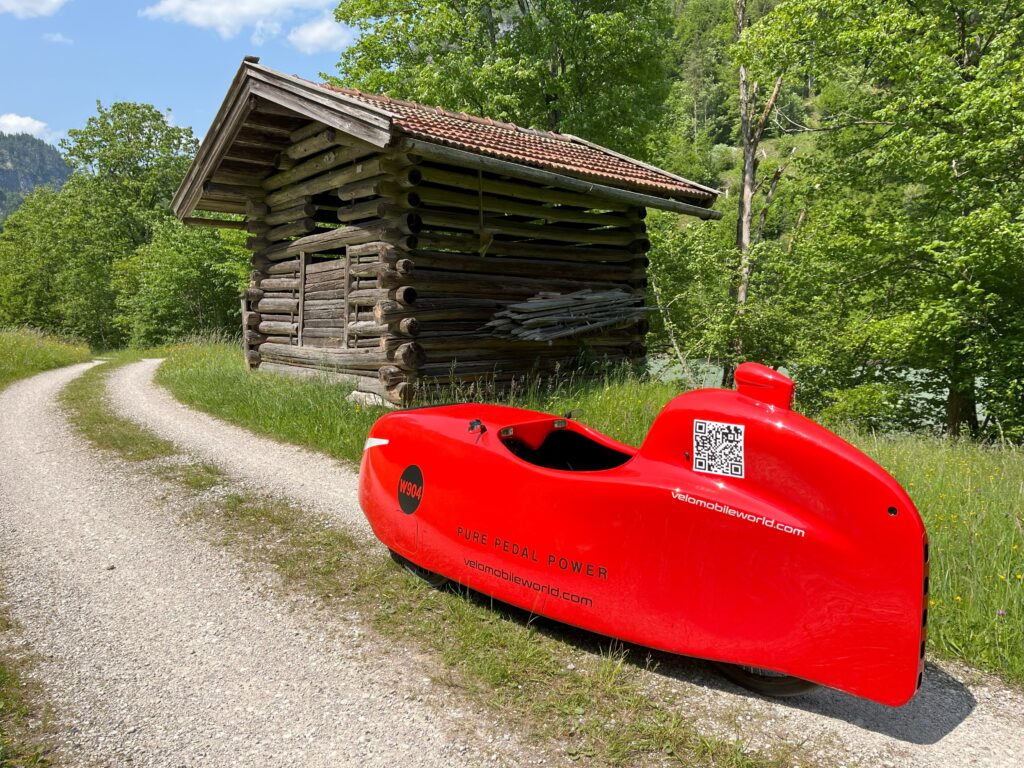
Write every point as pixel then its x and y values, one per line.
pixel 435 580
pixel 764 681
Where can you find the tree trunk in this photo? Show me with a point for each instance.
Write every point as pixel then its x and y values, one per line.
pixel 752 125
pixel 961 406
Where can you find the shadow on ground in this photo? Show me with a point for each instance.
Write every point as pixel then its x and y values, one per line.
pixel 942 703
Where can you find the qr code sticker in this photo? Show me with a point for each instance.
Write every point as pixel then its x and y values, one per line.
pixel 718 448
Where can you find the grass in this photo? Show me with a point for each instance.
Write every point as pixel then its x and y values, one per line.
pixel 972 500
pixel 24 352
pixel 971 497
pixel 100 425
pixel 22 728
pixel 587 702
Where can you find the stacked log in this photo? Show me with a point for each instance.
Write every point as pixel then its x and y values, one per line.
pixel 386 271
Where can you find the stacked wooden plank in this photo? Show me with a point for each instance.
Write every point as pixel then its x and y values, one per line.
pixel 549 316
pixel 387 270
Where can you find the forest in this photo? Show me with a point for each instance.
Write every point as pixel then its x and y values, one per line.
pixel 870 157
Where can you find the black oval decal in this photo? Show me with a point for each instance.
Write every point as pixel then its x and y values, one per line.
pixel 410 489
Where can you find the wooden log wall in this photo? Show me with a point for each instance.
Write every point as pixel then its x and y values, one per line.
pixel 384 269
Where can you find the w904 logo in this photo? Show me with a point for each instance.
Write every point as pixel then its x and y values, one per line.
pixel 410 489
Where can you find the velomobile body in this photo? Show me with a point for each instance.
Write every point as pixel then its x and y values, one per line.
pixel 739 532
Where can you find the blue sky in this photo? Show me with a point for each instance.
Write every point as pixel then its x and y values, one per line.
pixel 59 56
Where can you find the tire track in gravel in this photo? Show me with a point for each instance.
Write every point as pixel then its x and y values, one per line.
pixel 316 481
pixel 960 717
pixel 158 649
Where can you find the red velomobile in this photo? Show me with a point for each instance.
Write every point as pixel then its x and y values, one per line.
pixel 739 532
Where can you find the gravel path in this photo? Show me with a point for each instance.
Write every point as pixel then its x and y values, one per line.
pixel 158 649
pixel 959 718
pixel 317 482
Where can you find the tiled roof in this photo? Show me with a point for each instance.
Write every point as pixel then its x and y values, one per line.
pixel 541 149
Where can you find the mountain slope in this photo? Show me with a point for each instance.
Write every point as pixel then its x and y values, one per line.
pixel 26 163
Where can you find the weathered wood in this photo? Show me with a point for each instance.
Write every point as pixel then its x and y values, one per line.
pixel 471 244
pixel 408 356
pixel 293 229
pixel 214 189
pixel 197 221
pixel 303 133
pixel 386 311
pixel 318 142
pixel 390 375
pixel 257 155
pixel 220 206
pixel 256 227
pixel 256 210
pixel 278 305
pixel 333 179
pixel 271 124
pixel 303 259
pixel 464 159
pixel 270 327
pixel 249 176
pixel 408 326
pixel 302 209
pixel 436 196
pixel 462 179
pixel 319 267
pixel 390 230
pixel 317 165
pixel 398 394
pixel 371 296
pixel 374 186
pixel 369 209
pixel 251 319
pixel 500 226
pixel 280 284
pixel 505 265
pixel 284 268
pixel 260 137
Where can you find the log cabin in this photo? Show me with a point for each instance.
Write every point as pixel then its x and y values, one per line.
pixel 399 246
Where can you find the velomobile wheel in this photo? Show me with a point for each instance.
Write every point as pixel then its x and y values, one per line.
pixel 431 578
pixel 764 681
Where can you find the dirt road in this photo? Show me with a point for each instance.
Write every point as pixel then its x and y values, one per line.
pixel 959 718
pixel 158 649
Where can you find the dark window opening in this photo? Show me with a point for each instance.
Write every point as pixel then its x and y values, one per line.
pixel 568 450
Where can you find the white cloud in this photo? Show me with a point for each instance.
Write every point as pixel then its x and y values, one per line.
pixel 322 34
pixel 27 9
pixel 57 37
pixel 12 123
pixel 264 30
pixel 229 17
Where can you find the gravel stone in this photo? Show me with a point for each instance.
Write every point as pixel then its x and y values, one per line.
pixel 156 648
pixel 960 717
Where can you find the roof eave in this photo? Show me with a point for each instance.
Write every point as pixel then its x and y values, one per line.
pixel 432 150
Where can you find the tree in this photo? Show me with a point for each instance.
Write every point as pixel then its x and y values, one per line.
pixel 185 281
pixel 84 260
pixel 919 118
pixel 134 149
pixel 591 67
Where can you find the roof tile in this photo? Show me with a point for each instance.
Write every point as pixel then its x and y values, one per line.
pixel 541 149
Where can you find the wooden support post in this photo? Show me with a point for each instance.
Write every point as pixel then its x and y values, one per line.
pixel 302 293
pixel 345 304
